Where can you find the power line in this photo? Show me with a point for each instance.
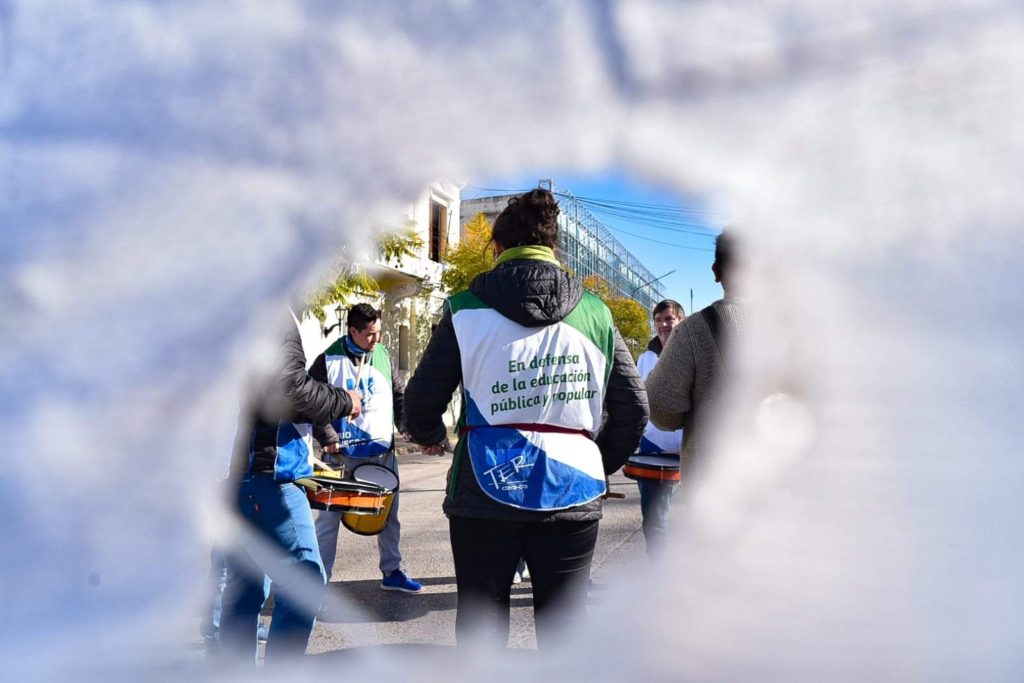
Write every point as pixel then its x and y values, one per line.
pixel 655 216
pixel 648 239
pixel 640 207
pixel 651 211
pixel 637 207
pixel 660 224
pixel 672 207
pixel 654 280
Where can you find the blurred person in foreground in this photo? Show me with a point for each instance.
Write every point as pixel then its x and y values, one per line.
pixel 273 447
pixel 359 361
pixel 656 495
pixel 686 385
pixel 540 362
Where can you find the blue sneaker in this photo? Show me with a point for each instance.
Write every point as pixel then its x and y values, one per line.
pixel 398 580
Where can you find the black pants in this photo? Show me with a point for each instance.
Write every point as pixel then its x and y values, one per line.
pixel 486 553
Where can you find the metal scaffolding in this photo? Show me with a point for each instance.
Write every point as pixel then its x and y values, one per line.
pixel 588 247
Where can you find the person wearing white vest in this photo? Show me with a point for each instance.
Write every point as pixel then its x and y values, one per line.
pixel 655 495
pixel 358 361
pixel 551 404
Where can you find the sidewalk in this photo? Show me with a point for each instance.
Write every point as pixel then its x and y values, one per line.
pixel 404 447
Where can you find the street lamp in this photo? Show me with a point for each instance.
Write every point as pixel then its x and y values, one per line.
pixel 651 281
pixel 338 311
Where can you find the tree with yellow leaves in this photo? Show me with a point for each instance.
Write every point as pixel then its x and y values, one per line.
pixel 473 255
pixel 628 315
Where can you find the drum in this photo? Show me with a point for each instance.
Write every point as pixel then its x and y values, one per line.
pixel 342 495
pixel 385 481
pixel 653 468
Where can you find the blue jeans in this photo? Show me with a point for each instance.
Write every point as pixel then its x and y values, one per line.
pixel 210 625
pixel 284 549
pixel 655 497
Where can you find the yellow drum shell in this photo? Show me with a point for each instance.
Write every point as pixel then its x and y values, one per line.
pixel 367 523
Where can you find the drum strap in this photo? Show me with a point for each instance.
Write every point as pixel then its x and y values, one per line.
pixel 527 427
pixel 308 483
pixel 714 322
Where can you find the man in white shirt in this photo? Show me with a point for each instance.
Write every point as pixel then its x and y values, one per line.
pixel 655 495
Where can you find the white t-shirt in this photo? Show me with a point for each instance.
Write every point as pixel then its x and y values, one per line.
pixel 656 440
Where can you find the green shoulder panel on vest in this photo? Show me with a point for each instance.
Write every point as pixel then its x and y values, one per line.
pixel 381 361
pixel 335 349
pixel 465 301
pixel 592 317
pixel 461 301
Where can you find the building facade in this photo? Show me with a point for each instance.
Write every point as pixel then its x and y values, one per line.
pixel 409 296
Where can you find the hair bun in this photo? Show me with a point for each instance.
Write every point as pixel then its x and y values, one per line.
pixel 543 203
pixel 529 218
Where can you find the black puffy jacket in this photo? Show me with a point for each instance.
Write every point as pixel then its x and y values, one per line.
pixel 534 294
pixel 289 394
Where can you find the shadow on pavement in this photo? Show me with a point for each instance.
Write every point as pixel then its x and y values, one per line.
pixel 355 602
pixel 438 658
pixel 436 653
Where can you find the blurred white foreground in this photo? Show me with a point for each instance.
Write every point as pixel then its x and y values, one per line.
pixel 173 171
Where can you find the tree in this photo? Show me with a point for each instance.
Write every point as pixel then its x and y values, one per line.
pixel 395 245
pixel 628 315
pixel 473 255
pixel 348 279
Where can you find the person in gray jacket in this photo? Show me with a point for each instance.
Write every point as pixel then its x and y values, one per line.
pixel 552 404
pixel 685 387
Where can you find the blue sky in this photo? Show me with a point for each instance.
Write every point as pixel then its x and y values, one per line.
pixel 651 232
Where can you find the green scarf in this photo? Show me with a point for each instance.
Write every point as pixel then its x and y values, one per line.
pixel 532 251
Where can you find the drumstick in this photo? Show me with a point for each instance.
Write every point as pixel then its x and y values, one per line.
pixel 319 463
pixel 359 371
pixel 608 490
pixel 324 466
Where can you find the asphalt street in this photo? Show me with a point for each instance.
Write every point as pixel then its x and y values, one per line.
pixel 360 614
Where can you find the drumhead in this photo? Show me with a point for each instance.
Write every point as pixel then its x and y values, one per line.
pixel 372 473
pixel 660 462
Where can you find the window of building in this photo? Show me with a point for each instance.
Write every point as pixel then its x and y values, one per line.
pixel 438 230
pixel 403 347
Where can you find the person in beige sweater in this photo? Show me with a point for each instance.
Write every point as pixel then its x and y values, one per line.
pixel 687 384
